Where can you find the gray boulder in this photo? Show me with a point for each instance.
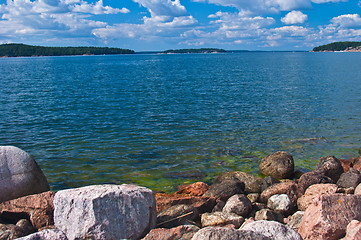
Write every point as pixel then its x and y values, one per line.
pixel 294 221
pixel 20 175
pixel 105 212
pixel 280 203
pixel 225 188
pixel 252 184
pixel 47 234
pixel 349 179
pixel 273 230
pixel 219 233
pixel 238 204
pixel 329 166
pixel 279 165
pixel 269 215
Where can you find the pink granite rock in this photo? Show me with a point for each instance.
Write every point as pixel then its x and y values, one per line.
pixel 328 217
pixel 353 231
pixel 184 232
pixel 290 188
pixel 313 192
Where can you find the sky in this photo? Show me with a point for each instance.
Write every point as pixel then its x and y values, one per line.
pixel 147 25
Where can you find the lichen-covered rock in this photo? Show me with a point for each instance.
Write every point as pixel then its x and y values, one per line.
pixel 349 179
pixel 280 203
pixel 105 212
pixel 39 209
pixel 327 218
pixel 220 233
pixel 47 234
pixel 279 165
pixel 221 219
pixel 273 230
pixel 183 232
pixel 313 192
pixel 329 166
pixel 238 204
pixel 20 174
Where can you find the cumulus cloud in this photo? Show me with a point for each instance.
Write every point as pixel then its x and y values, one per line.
pixel 163 7
pixel 327 1
pixel 294 17
pixel 347 21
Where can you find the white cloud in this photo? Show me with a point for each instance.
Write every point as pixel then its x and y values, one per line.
pixel 294 17
pixel 347 21
pixel 327 1
pixel 163 7
pixel 97 8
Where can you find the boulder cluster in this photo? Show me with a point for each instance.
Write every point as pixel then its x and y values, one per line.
pixel 324 203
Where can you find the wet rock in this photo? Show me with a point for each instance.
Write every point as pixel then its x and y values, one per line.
pixel 47 234
pixel 349 179
pixel 105 212
pixel 238 204
pixel 252 183
pixel 20 174
pixel 203 204
pixel 279 165
pixel 38 208
pixel 280 203
pixel 290 188
pixel 176 215
pixel 294 221
pixel 221 233
pixel 13 231
pixel 194 189
pixel 184 232
pixel 353 231
pixel 313 192
pixel 269 215
pixel 312 178
pixel 329 166
pixel 273 230
pixel 225 188
pixel 267 182
pixel 221 219
pixel 253 197
pixel 328 217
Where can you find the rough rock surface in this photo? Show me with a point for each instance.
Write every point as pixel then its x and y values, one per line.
pixel 273 230
pixel 312 178
pixel 280 203
pixel 238 204
pixel 47 234
pixel 358 190
pixel 290 188
pixel 225 188
pixel 203 204
pixel 252 184
pixel 221 219
pixel 176 215
pixel 219 233
pixel 350 179
pixel 267 182
pixel 279 165
pixel 20 174
pixel 328 217
pixel 294 221
pixel 38 208
pixel 330 167
pixel 183 232
pixel 353 231
pixel 269 215
pixel 313 192
pixel 11 231
pixel 194 189
pixel 105 212
pixel 357 164
pixel 253 197
pixel 346 164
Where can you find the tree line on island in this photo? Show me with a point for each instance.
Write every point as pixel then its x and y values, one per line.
pixel 22 50
pixel 339 46
pixel 195 50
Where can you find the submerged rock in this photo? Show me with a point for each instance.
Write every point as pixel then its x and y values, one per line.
pixel 20 174
pixel 279 165
pixel 105 212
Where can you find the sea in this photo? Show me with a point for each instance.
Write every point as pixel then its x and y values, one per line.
pixel 162 120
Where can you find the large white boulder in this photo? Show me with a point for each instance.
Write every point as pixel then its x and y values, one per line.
pixel 273 230
pixel 105 212
pixel 20 175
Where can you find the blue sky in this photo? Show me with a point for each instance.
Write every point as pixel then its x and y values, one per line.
pixel 144 25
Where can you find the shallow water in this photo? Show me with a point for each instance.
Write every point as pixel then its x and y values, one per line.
pixel 163 120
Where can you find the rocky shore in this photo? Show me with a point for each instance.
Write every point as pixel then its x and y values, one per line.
pixel 324 203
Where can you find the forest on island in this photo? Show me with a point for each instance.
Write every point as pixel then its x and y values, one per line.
pixel 337 46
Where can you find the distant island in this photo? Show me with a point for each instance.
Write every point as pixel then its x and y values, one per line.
pixel 195 50
pixel 339 46
pixel 22 50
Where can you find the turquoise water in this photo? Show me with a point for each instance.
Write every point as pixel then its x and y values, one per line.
pixel 164 120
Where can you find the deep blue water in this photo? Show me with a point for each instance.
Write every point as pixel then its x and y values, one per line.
pixel 163 120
